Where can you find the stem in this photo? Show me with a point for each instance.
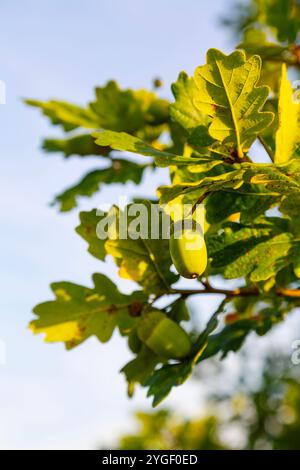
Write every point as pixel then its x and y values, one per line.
pixel 199 201
pixel 239 292
pixel 242 292
pixel 266 147
pixel 288 292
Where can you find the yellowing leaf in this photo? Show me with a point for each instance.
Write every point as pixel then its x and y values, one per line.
pixel 68 331
pixel 288 135
pixel 79 312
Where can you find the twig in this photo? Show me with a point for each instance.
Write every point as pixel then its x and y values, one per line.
pixel 288 292
pixel 239 292
pixel 199 201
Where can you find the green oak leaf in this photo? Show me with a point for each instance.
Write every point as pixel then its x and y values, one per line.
pixel 281 179
pixel 290 205
pixel 246 321
pixel 67 115
pixel 128 110
pixel 179 311
pixel 79 312
pixel 141 367
pixel 190 191
pixel 184 110
pixel 168 376
pixel 164 379
pixel 272 180
pixel 140 258
pixel 258 252
pixel 228 93
pixel 220 205
pixel 128 143
pixel 82 145
pixel 138 112
pixel 87 229
pixel 120 171
pixel 230 338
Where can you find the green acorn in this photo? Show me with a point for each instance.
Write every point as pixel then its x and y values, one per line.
pixel 188 249
pixel 163 336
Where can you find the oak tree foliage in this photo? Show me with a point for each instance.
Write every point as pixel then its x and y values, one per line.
pixel 209 136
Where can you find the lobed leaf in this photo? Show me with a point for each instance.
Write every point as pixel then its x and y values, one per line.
pixel 184 110
pixel 120 171
pixel 79 312
pixel 140 258
pixel 272 180
pixel 228 93
pixel 128 110
pixel 82 145
pixel 168 376
pixel 259 252
pixel 67 115
pixel 128 143
pixel 143 259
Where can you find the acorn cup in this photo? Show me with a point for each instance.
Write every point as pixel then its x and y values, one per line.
pixel 163 336
pixel 188 248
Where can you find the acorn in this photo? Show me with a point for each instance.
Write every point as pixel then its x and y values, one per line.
pixel 188 249
pixel 163 336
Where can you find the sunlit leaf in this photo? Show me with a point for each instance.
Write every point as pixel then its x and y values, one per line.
pixel 128 110
pixel 140 258
pixel 228 92
pixel 258 252
pixel 184 110
pixel 80 312
pixel 128 143
pixel 67 115
pixel 287 136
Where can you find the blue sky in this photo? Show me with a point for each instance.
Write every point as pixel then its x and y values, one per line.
pixel 54 49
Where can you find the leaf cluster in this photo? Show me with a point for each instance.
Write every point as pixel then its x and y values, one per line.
pixel 208 137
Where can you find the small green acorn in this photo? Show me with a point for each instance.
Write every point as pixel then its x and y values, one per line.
pixel 163 336
pixel 188 249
